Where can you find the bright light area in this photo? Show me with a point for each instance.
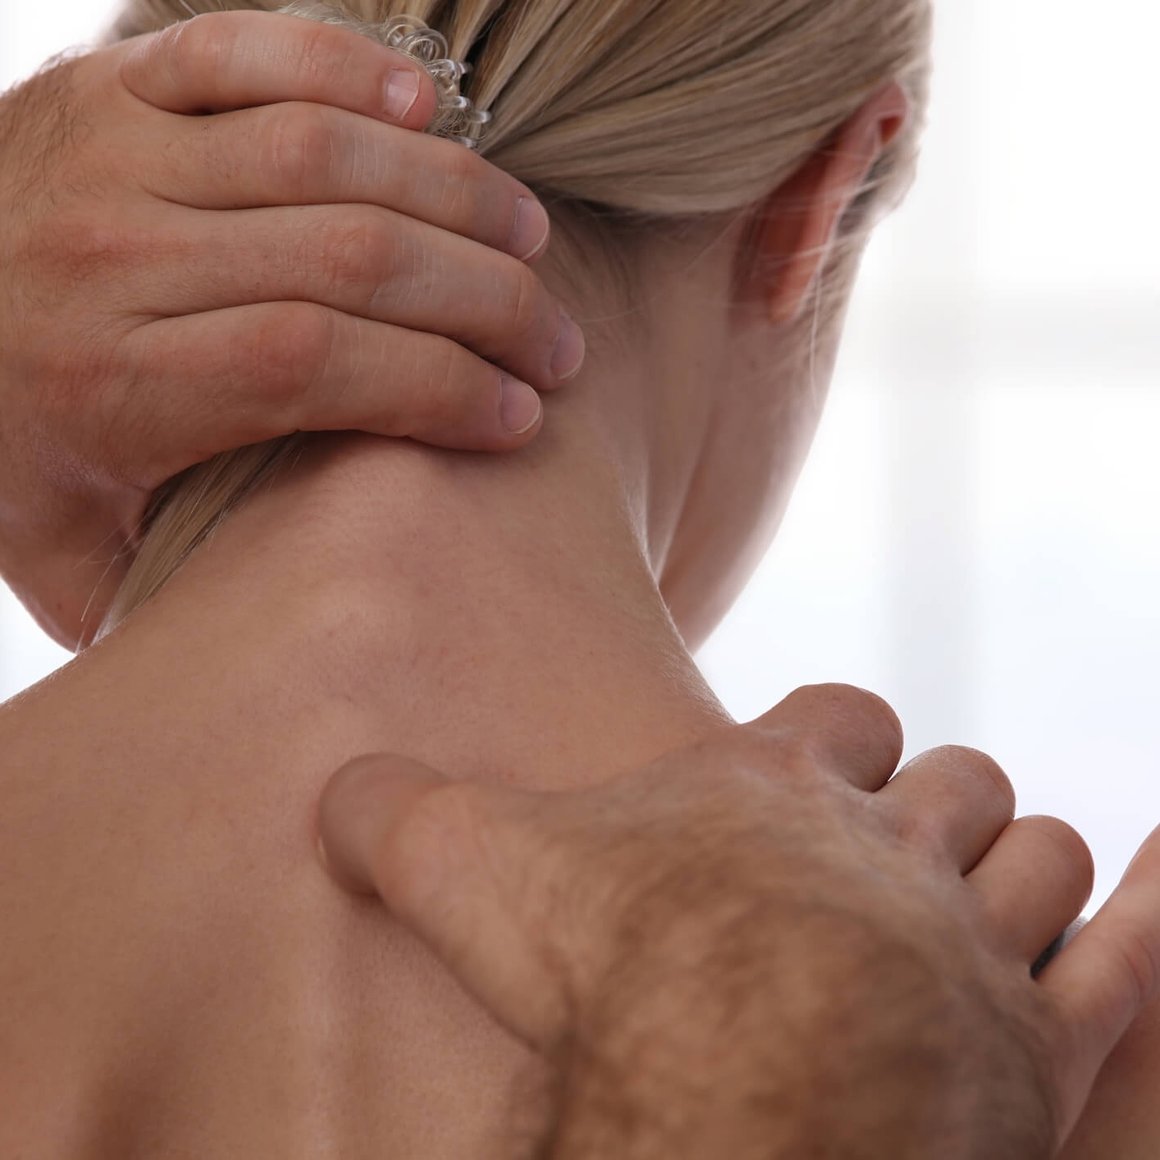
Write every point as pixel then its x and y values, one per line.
pixel 976 536
pixel 28 39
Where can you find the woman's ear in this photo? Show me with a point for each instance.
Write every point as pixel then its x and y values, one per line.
pixel 799 222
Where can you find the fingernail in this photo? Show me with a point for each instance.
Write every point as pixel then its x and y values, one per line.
pixel 520 406
pixel 568 357
pixel 530 230
pixel 401 92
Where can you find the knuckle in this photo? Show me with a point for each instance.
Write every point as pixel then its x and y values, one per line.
pixel 804 752
pixel 325 52
pixel 90 245
pixel 762 754
pixel 747 747
pixel 285 353
pixel 298 146
pixel 357 252
pixel 787 750
pixel 459 194
pixel 465 166
pixel 195 48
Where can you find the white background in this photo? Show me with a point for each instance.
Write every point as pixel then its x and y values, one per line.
pixel 976 537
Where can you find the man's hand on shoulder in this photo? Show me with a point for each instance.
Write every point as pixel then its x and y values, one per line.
pixel 766 946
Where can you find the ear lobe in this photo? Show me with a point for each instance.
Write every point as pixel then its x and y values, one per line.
pixel 801 218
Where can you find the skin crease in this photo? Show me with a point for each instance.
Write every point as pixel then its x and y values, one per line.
pixel 180 977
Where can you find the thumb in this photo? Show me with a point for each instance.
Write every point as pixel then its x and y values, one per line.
pixel 1105 977
pixel 459 864
pixel 854 732
pixel 362 808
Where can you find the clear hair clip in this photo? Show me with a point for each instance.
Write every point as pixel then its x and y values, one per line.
pixel 456 118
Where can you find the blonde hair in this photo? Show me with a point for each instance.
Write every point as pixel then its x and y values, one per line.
pixel 660 112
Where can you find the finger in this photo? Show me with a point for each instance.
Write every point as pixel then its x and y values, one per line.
pixel 853 732
pixel 1106 976
pixel 236 60
pixel 305 154
pixel 379 265
pixel 235 377
pixel 449 859
pixel 956 800
pixel 1032 882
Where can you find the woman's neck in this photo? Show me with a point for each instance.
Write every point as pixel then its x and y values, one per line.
pixel 496 617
